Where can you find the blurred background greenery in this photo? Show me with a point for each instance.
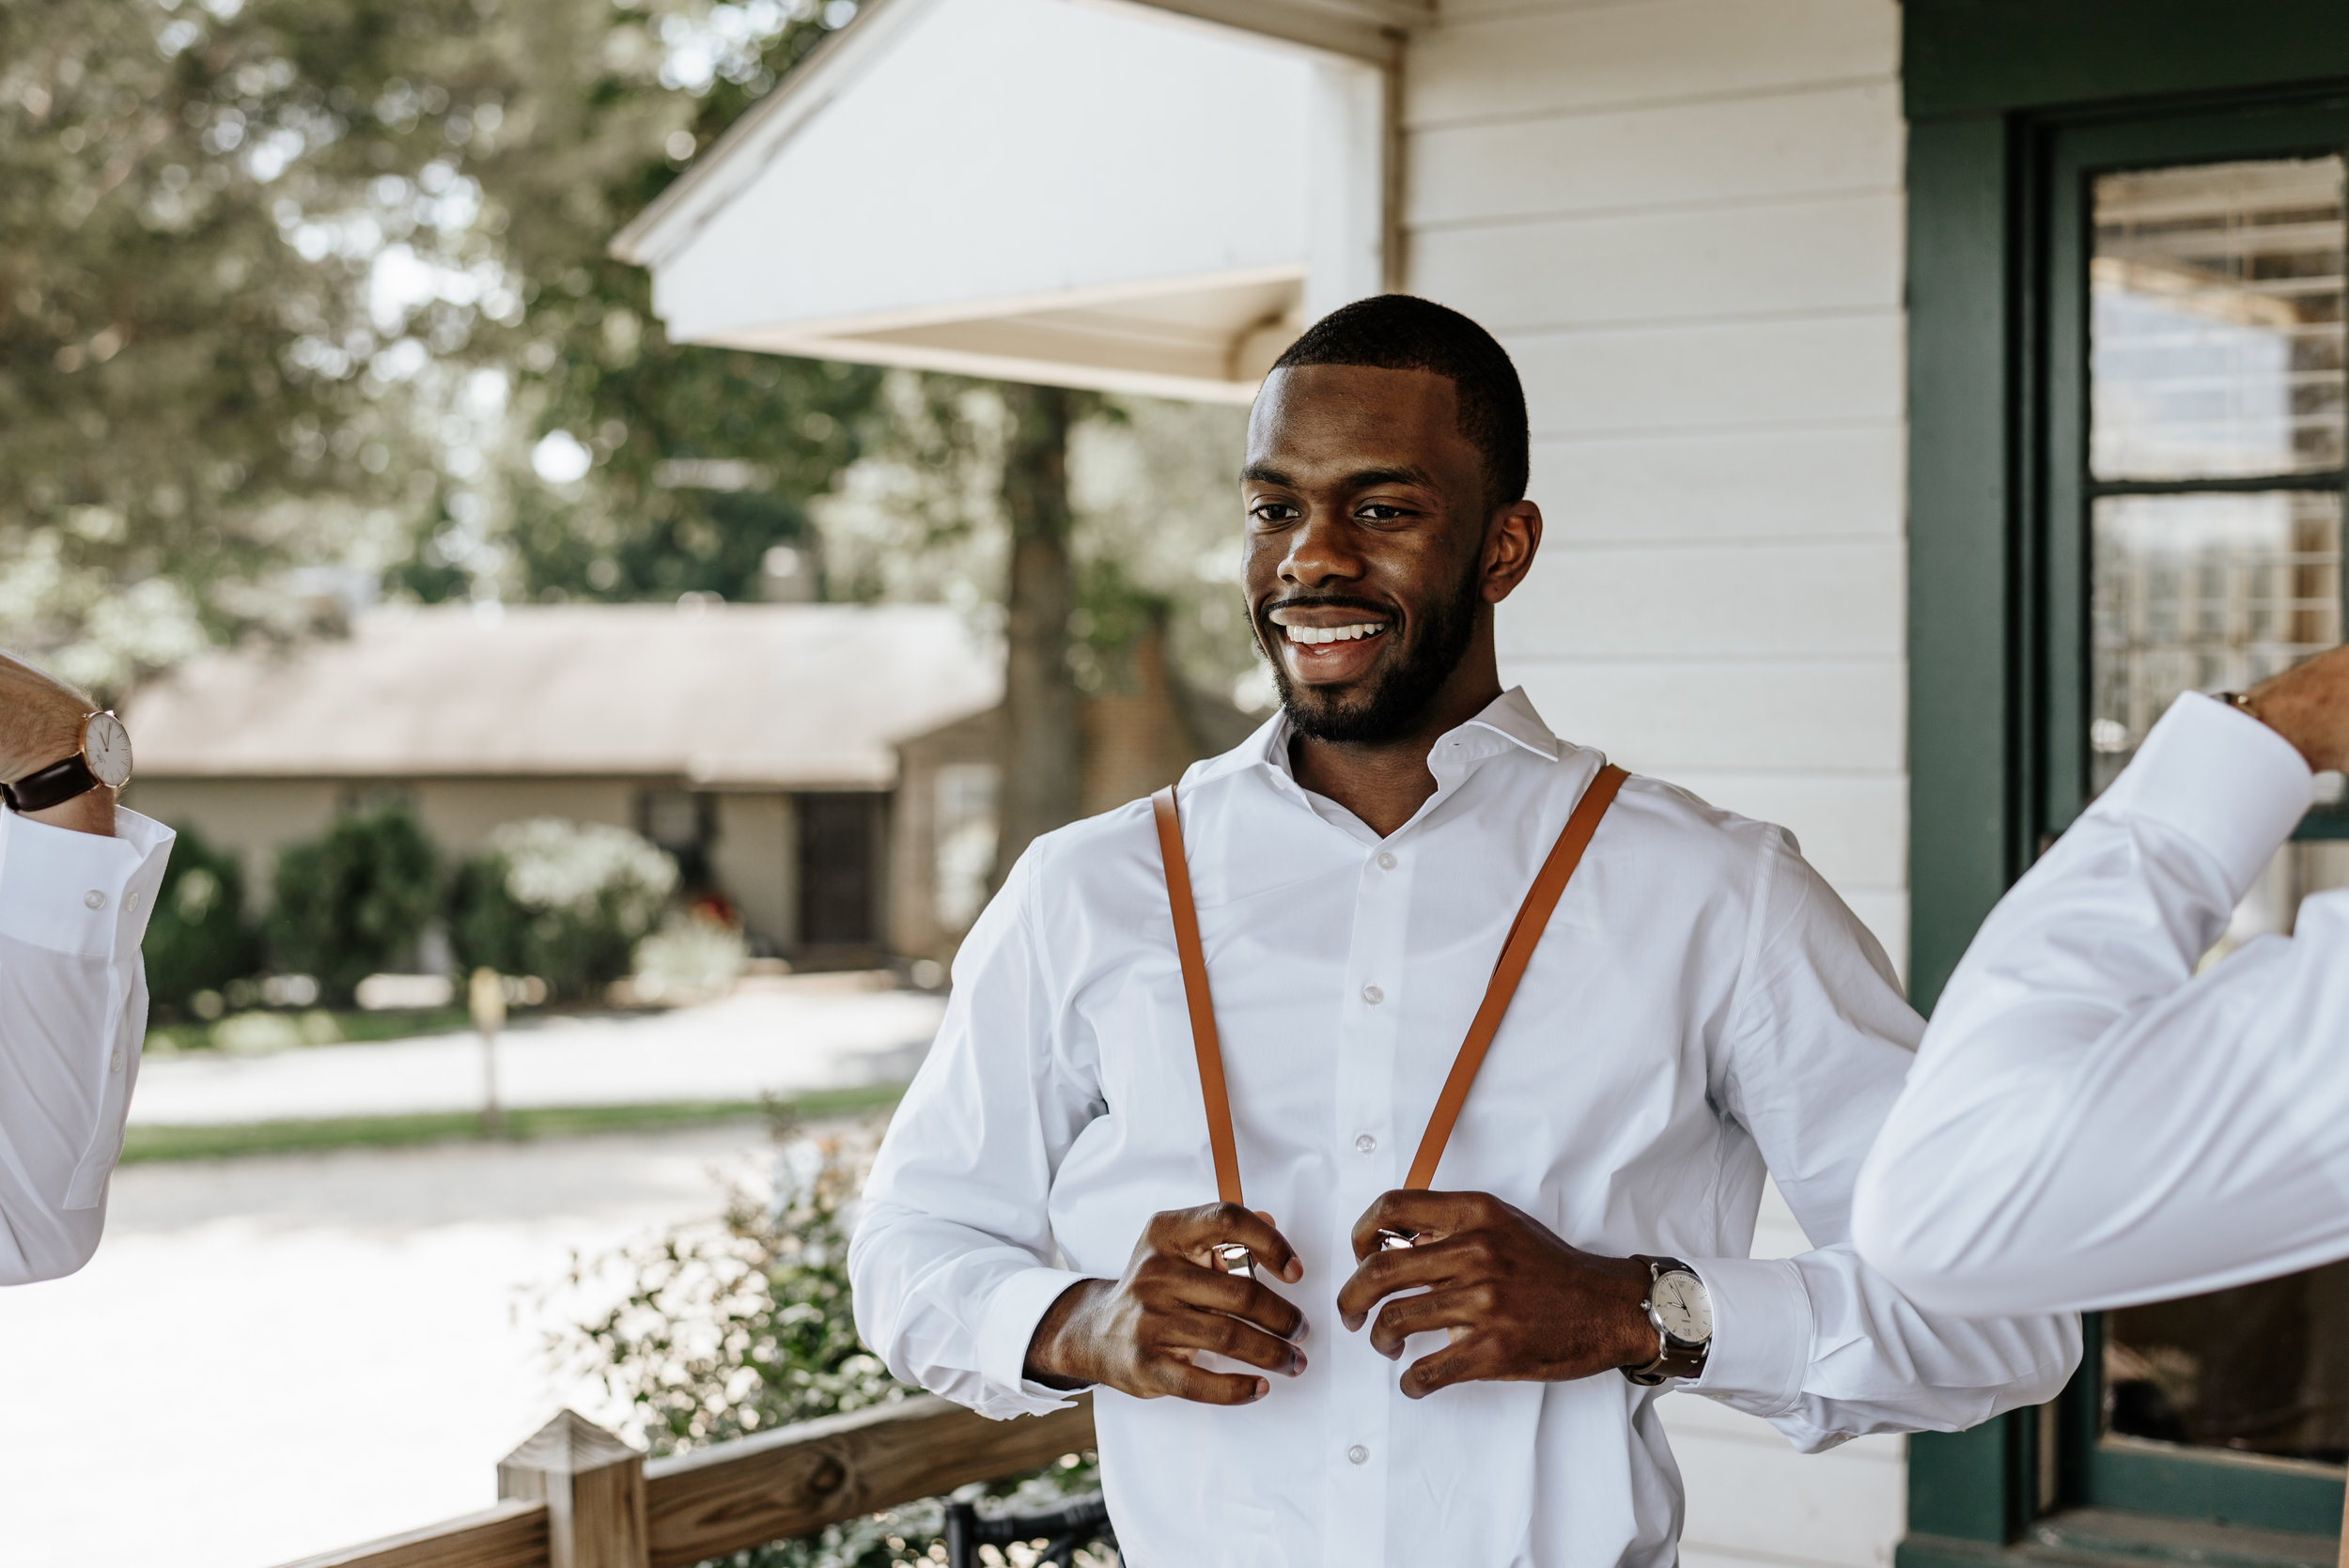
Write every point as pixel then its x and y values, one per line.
pixel 305 304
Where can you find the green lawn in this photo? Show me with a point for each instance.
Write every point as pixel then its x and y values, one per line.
pixel 145 1144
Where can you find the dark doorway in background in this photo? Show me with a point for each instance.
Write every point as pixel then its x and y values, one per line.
pixel 839 875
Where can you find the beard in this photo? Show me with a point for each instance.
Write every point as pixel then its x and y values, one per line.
pixel 1389 703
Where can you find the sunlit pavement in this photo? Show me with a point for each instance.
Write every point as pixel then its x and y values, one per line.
pixel 784 1037
pixel 274 1356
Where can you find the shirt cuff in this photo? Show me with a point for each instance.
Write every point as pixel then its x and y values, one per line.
pixel 1761 1332
pixel 81 893
pixel 2221 779
pixel 1008 1327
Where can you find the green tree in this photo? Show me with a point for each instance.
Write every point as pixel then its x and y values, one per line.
pixel 287 283
pixel 194 392
pixel 698 460
pixel 354 901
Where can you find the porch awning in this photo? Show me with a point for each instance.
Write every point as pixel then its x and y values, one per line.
pixel 1068 192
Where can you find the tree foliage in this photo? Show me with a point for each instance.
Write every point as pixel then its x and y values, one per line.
pixel 286 286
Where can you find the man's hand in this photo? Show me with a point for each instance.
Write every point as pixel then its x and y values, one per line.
pixel 1520 1304
pixel 2308 706
pixel 41 722
pixel 1138 1334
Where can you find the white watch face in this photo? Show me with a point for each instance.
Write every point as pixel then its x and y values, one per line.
pixel 1683 1308
pixel 106 747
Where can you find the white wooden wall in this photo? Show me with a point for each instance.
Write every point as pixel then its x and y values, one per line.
pixel 1684 218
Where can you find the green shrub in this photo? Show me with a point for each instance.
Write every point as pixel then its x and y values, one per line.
pixel 198 938
pixel 722 1330
pixel 565 901
pixel 354 902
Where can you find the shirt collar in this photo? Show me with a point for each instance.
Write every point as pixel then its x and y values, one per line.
pixel 1509 719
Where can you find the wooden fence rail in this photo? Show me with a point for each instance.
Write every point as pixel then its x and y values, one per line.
pixel 576 1497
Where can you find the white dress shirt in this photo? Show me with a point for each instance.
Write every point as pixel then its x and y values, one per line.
pixel 73 909
pixel 2091 1123
pixel 1701 1005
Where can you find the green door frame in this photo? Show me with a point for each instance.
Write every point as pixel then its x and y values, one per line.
pixel 1981 79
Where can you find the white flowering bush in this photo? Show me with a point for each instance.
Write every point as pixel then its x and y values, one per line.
pixel 565 901
pixel 693 957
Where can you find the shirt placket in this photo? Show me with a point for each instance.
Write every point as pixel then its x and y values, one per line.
pixel 1367 1131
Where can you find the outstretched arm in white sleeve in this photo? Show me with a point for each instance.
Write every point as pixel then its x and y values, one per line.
pixel 2094 1124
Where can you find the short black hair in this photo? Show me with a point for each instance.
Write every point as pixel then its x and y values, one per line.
pixel 1403 332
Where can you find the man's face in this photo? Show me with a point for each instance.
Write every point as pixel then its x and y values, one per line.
pixel 1366 522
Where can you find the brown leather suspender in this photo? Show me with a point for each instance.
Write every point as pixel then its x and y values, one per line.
pixel 1203 1039
pixel 1525 934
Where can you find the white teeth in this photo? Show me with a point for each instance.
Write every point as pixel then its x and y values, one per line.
pixel 1314 634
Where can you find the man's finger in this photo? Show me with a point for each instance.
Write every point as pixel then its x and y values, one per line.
pixel 1429 1312
pixel 1173 1375
pixel 1229 1335
pixel 1383 1274
pixel 1419 1214
pixel 1241 1298
pixel 1191 1232
pixel 1461 1362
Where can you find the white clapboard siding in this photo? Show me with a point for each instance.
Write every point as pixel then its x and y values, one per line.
pixel 1809 482
pixel 1684 218
pixel 1722 150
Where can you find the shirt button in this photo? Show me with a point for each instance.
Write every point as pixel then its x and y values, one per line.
pixel 131 901
pixel 1358 1454
pixel 114 1062
pixel 93 899
pixel 1386 860
pixel 1366 1143
pixel 1370 994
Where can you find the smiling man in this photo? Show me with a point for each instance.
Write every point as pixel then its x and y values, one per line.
pixel 1466 1374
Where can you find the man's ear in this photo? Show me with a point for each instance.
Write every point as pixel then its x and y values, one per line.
pixel 1512 539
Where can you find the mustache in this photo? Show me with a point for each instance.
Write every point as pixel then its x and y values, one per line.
pixel 1324 601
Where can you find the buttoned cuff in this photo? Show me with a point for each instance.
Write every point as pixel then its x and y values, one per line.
pixel 2219 778
pixel 1008 1327
pixel 1761 1332
pixel 81 893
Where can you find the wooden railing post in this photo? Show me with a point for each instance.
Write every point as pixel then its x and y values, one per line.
pixel 593 1485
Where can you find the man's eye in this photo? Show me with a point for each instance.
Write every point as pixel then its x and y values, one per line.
pixel 1272 511
pixel 1379 511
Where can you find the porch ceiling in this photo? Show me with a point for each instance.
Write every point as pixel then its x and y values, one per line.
pixel 1070 192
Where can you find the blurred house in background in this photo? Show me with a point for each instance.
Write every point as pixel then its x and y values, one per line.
pixel 1139 732
pixel 829 769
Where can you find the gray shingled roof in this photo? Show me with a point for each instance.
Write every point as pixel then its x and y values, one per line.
pixel 797 695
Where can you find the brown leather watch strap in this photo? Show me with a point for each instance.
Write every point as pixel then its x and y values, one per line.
pixel 1194 961
pixel 1525 934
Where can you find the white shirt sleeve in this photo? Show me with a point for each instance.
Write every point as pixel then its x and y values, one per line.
pixel 2092 1123
pixel 1822 1345
pixel 73 909
pixel 948 1266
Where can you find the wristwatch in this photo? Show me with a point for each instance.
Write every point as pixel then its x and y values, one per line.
pixel 104 758
pixel 1681 1310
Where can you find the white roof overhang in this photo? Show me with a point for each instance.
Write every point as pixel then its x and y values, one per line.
pixel 1085 193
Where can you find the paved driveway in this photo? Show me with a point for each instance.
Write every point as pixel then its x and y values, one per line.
pixel 784 1037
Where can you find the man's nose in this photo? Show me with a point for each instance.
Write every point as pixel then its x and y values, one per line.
pixel 1319 551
